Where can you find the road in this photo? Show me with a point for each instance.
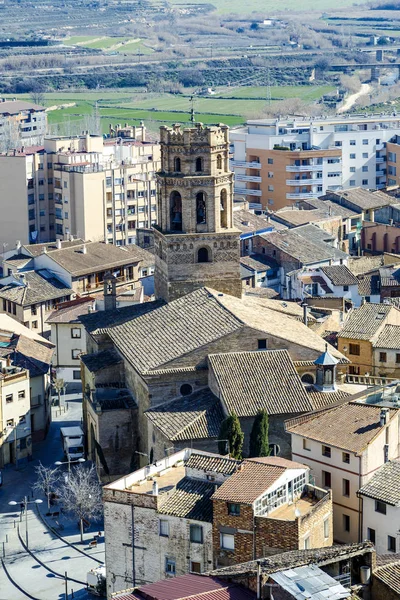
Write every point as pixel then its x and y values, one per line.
pixel 352 99
pixel 40 573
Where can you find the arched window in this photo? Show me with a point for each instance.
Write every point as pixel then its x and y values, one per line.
pixel 199 164
pixel 307 378
pixel 202 255
pixel 177 164
pixel 200 208
pixel 224 208
pixel 176 211
pixel 219 162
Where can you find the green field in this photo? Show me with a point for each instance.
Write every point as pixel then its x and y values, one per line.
pixel 269 7
pixel 132 105
pixel 124 45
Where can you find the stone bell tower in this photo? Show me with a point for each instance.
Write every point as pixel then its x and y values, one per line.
pixel 196 244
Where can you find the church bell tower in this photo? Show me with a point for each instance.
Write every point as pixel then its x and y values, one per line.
pixel 196 244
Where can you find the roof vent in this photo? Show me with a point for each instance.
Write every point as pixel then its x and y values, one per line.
pixel 58 244
pixel 84 250
pixel 383 417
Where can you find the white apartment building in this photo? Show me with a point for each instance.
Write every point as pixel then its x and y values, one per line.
pixel 278 162
pixel 93 188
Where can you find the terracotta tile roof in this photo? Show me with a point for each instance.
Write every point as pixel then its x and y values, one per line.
pixel 295 558
pixel 278 461
pixel 331 209
pixel 360 265
pixel 248 222
pixel 350 426
pixel 340 275
pixel 99 360
pixel 152 340
pixel 248 483
pixel 13 107
pixel 325 399
pixel 385 559
pixel 389 337
pixel 384 484
pixel 195 587
pixel 37 289
pixel 364 199
pixel 198 416
pixel 258 262
pixel 262 292
pixel 70 314
pixel 215 464
pixel 300 217
pixel 299 244
pixel 99 256
pixel 29 354
pixel 36 249
pixel 390 576
pixel 369 284
pixel 251 381
pixel 101 320
pixel 364 322
pixel 191 499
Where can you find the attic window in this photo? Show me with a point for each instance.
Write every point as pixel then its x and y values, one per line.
pixel 380 316
pixel 262 344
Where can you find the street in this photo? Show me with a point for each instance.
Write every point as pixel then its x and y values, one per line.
pixel 40 573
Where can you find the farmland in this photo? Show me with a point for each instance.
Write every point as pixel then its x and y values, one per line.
pixel 232 106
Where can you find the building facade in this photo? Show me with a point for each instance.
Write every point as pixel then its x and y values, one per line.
pixel 281 161
pixel 85 186
pixel 21 124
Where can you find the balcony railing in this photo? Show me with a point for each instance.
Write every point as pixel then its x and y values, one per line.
pixel 303 181
pixel 251 178
pixel 380 173
pixel 303 168
pixel 303 195
pixel 247 192
pixel 379 160
pixel 245 164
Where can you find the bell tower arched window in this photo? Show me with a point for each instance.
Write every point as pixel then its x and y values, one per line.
pixel 176 211
pixel 219 162
pixel 201 208
pixel 177 164
pixel 202 255
pixel 224 208
pixel 199 164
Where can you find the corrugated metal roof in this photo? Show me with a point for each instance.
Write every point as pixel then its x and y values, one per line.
pixel 310 583
pixel 197 587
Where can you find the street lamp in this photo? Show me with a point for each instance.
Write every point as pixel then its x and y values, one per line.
pixel 25 502
pixel 69 462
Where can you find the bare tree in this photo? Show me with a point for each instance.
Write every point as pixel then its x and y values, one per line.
pixel 59 385
pixel 47 481
pixel 81 495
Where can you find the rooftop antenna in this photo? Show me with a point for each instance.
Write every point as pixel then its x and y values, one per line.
pixel 192 115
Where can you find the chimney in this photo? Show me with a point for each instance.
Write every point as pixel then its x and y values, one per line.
pixel 258 579
pixel 58 244
pixel 44 250
pixel 84 251
pixel 383 417
pixel 18 246
pixel 8 363
pixel 155 488
pixel 305 313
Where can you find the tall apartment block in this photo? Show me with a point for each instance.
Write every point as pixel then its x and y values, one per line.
pixel 21 123
pixel 278 162
pixel 86 186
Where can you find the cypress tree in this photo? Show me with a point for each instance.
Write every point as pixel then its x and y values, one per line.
pixel 230 430
pixel 259 444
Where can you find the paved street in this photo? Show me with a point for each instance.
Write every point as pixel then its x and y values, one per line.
pixel 40 573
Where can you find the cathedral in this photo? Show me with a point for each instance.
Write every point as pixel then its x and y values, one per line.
pixel 196 244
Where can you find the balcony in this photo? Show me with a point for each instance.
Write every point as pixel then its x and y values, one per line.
pixel 245 164
pixel 303 182
pixel 247 192
pixel 303 195
pixel 380 173
pixel 303 168
pixel 379 160
pixel 250 178
pixel 379 147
